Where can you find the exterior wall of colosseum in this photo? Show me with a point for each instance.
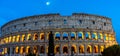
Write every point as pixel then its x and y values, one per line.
pixel 85 34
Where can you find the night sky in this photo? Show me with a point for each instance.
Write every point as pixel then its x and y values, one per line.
pixel 13 9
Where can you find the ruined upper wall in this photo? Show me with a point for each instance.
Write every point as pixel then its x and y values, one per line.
pixel 46 21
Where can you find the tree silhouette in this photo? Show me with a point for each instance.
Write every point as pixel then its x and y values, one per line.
pixel 51 45
pixel 112 51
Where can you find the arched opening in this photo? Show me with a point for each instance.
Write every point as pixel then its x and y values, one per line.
pixel 18 38
pixel 72 35
pixel 101 48
pixel 96 49
pixel 28 37
pixel 110 37
pixel 35 49
pixel 57 36
pixel 80 35
pixel 57 49
pixel 5 50
pixel 17 50
pixel 73 49
pixel 35 36
pixel 7 40
pixel 89 49
pixel 13 39
pixel 42 36
pixel 87 36
pixel 105 37
pixel 22 50
pixel 94 36
pixel 99 36
pixel 65 36
pixel 28 49
pixel 65 50
pixel 10 38
pixel 81 49
pixel 42 49
pixel 23 38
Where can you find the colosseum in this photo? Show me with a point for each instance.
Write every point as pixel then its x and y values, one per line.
pixel 85 34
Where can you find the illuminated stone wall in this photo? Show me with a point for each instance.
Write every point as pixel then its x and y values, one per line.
pixel 85 34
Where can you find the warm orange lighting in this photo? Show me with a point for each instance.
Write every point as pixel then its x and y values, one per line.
pixel 23 38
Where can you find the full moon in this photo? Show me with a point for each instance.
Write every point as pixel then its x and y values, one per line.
pixel 47 3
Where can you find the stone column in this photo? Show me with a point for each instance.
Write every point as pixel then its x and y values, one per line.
pixel 14 50
pixel 85 49
pixel 32 36
pixel 11 50
pixel 26 35
pixel 69 50
pixel 69 38
pixel 61 38
pixel 99 49
pixel 91 36
pixel 92 49
pixel 77 46
pixel 97 36
pixel 45 38
pixel 103 37
pixel 45 50
pixel 38 36
pixel 84 35
pixel 76 36
pixel 61 50
pixel 21 37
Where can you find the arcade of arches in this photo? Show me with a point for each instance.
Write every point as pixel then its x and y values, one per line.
pixel 76 42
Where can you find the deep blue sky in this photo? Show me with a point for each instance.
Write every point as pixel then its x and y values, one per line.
pixel 13 9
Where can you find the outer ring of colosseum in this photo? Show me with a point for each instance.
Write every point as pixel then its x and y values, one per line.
pixel 85 34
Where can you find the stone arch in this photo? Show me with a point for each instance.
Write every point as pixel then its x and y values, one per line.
pixel 87 35
pixel 94 36
pixel 13 38
pixel 74 49
pixel 81 49
pixel 5 50
pixel 28 49
pixel 73 35
pixel 99 36
pixel 29 37
pixel 35 49
pixel 10 39
pixel 22 50
pixel 80 35
pixel 23 38
pixel 18 38
pixel 96 49
pixel 101 48
pixel 89 49
pixel 65 36
pixel 107 37
pixel 17 50
pixel 57 36
pixel 65 49
pixel 57 49
pixel 35 36
pixel 42 36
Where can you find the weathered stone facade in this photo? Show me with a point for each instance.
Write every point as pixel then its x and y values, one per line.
pixel 85 34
